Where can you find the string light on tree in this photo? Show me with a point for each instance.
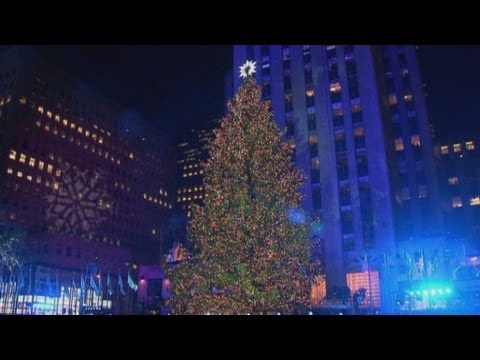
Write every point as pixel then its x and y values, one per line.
pixel 247 254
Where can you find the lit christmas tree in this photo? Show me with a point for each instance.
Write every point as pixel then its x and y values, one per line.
pixel 248 256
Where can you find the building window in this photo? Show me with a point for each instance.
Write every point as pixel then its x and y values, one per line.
pixel 19 174
pixel 317 199
pixel 457 202
pixel 337 117
pixel 359 137
pixel 41 164
pixel 453 180
pixel 405 193
pixel 356 109
pixel 12 155
pixel 58 172
pixel 470 145
pixel 475 201
pixel 340 141
pixel 399 144
pixel 23 158
pixel 457 148
pixel 49 168
pixel 362 165
pixel 312 122
pixel 29 177
pixel 444 149
pixel 416 140
pixel 392 99
pixel 9 171
pixel 408 97
pixel 422 191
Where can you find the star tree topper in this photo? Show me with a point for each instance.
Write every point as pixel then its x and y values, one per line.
pixel 247 69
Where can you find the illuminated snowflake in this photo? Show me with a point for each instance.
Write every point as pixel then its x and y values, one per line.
pixel 81 202
pixel 247 69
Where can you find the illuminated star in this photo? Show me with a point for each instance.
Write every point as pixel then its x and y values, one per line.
pixel 247 69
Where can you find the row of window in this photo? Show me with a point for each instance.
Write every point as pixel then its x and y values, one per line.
pixel 415 141
pixel 457 201
pixel 189 190
pixel 77 141
pixel 457 148
pixel 156 200
pixel 38 178
pixel 22 159
pixel 194 173
pixel 189 198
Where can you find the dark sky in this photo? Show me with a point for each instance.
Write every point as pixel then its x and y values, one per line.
pixel 178 87
pixel 452 77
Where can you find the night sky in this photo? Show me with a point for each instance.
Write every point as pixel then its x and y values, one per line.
pixel 177 87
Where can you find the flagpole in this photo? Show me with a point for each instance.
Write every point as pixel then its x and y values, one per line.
pixel 117 305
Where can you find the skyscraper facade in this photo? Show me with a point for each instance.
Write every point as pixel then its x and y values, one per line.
pixel 362 138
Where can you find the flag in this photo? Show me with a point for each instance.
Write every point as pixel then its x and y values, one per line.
pixel 365 266
pixel 100 287
pixel 21 280
pixel 131 283
pixel 109 285
pixel 83 285
pixel 57 286
pixel 73 281
pixel 49 284
pixel 120 284
pixel 93 284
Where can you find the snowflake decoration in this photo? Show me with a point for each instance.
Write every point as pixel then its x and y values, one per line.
pixel 81 203
pixel 247 69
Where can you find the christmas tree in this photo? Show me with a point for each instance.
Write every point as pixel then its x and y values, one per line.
pixel 248 256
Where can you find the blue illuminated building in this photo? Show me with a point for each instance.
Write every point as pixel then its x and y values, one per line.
pixel 362 136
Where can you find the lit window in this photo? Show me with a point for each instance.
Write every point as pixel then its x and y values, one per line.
pixel 63 134
pixel 422 191
pixel 55 186
pixel 9 171
pixel 12 155
pixel 49 114
pixel 47 127
pixel 72 125
pixel 335 87
pixel 457 202
pixel 40 165
pixel 470 145
pixel 20 174
pixel 23 158
pixel 100 140
pixel 416 140
pixel 356 108
pixel 392 99
pixel 408 97
pixel 38 123
pixel 29 177
pixel 153 232
pixel 94 137
pixel 40 109
pixel 457 148
pixel 130 156
pixel 58 173
pixel 313 139
pixel 49 168
pixel 80 129
pixel 31 162
pixel 57 118
pixel 55 131
pixel 65 122
pixel 23 100
pixel 144 196
pixel 47 183
pixel 51 156
pixel 87 133
pixel 39 179
pixel 453 180
pixel 475 201
pixel 310 93
pixel 399 144
pixel 184 175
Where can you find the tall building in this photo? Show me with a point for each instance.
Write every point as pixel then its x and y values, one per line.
pixel 87 179
pixel 192 150
pixel 459 180
pixel 362 137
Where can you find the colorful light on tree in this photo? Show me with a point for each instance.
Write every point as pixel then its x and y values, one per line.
pixel 247 255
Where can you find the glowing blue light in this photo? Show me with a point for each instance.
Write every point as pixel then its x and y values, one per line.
pixel 440 291
pixel 310 313
pixel 417 292
pixel 411 293
pixel 433 292
pixel 448 290
pixel 296 216
pixel 279 313
pixel 425 292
